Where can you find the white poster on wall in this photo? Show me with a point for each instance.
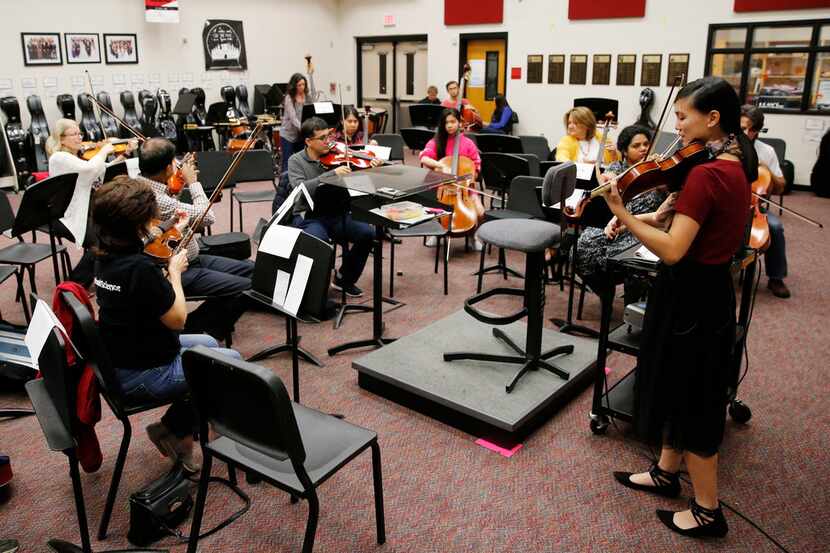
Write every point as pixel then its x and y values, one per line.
pixel 476 73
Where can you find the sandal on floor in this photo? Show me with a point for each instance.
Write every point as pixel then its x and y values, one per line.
pixel 666 483
pixel 711 522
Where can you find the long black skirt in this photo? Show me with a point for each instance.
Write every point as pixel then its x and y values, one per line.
pixel 685 369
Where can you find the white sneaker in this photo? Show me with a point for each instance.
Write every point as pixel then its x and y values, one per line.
pixel 431 242
pixel 478 245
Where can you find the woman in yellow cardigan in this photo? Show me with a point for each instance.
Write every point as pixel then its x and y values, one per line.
pixel 581 144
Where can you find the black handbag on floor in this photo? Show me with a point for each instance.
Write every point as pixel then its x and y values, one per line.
pixel 162 505
pixel 158 509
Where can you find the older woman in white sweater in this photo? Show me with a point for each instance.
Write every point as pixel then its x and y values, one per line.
pixel 63 146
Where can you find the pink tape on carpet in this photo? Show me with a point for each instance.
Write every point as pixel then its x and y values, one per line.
pixel 608 371
pixel 500 450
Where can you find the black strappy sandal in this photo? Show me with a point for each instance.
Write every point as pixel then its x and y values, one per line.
pixel 711 522
pixel 666 484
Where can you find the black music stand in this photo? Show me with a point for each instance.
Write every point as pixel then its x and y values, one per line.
pixel 43 204
pixel 333 118
pixel 600 106
pixel 382 185
pixel 115 170
pixel 313 303
pixel 184 104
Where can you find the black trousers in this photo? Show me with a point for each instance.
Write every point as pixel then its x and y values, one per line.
pixel 223 278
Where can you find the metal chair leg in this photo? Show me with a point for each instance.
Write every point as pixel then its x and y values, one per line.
pixel 199 509
pixel 392 268
pixel 480 271
pixel 311 525
pixel 116 479
pixel 377 478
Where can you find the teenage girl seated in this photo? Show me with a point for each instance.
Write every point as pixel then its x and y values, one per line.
pixel 350 128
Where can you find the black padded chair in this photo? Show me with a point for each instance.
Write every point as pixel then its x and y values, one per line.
pixel 38 134
pixel 532 144
pixel 262 431
pixel 259 166
pixel 532 237
pixel 30 218
pixel 130 115
pixel 522 203
pixel 242 105
pixel 87 339
pixel 498 170
pixel 108 122
pixel 53 398
pixel 393 141
pixel 416 138
pixel 501 143
pixel 533 164
pixel 425 115
pixel 66 105
pixel 89 124
pixel 787 167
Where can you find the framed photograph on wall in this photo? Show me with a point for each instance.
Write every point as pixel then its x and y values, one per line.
pixel 82 47
pixel 41 48
pixel 120 48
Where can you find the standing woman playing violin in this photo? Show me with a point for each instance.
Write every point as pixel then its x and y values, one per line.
pixel 142 311
pixel 64 147
pixel 681 390
pixel 292 112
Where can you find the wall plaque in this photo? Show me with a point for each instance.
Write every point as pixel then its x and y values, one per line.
pixel 602 69
pixel 626 67
pixel 579 69
pixel 678 65
pixel 650 72
pixel 534 68
pixel 556 69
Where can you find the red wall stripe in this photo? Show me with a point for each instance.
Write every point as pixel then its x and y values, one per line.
pixel 769 5
pixel 473 12
pixel 606 9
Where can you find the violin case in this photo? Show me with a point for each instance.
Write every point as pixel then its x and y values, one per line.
pixel 236 245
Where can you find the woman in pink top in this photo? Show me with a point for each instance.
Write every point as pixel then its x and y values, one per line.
pixel 444 143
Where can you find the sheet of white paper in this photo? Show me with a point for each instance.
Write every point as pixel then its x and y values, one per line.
pixel 323 107
pixel 299 279
pixel 572 200
pixel 584 171
pixel 132 167
pixel 280 287
pixel 383 152
pixel 476 73
pixel 644 253
pixel 279 240
pixel 289 203
pixel 42 323
pixel 353 193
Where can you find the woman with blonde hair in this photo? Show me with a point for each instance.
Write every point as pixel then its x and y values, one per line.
pixel 581 143
pixel 63 148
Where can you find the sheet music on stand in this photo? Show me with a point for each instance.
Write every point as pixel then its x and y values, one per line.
pixel 571 201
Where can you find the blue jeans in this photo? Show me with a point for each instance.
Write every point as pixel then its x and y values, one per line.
pixel 167 383
pixel 342 229
pixel 288 149
pixel 775 258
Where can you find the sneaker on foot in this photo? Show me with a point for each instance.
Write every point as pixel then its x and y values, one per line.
pixel 778 288
pixel 350 289
pixel 9 546
pixel 478 245
pixel 431 241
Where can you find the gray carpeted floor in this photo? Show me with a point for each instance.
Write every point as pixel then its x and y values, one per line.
pixel 445 493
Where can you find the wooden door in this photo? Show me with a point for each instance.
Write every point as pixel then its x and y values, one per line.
pixel 487 59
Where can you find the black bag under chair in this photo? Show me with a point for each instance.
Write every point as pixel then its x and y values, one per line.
pixel 235 245
pixel 157 510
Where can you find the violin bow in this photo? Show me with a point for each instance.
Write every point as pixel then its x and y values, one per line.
pixel 105 109
pixel 237 158
pixel 662 122
pixel 91 94
pixel 343 121
pixel 788 210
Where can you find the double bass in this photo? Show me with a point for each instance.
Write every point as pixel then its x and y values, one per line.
pixel 465 203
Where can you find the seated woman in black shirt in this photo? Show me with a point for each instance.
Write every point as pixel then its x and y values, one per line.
pixel 141 310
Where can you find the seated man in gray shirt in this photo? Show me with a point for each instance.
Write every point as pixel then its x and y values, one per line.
pixel 330 220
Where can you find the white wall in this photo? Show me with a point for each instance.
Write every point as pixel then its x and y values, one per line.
pixel 542 27
pixel 279 33
pixel 277 36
